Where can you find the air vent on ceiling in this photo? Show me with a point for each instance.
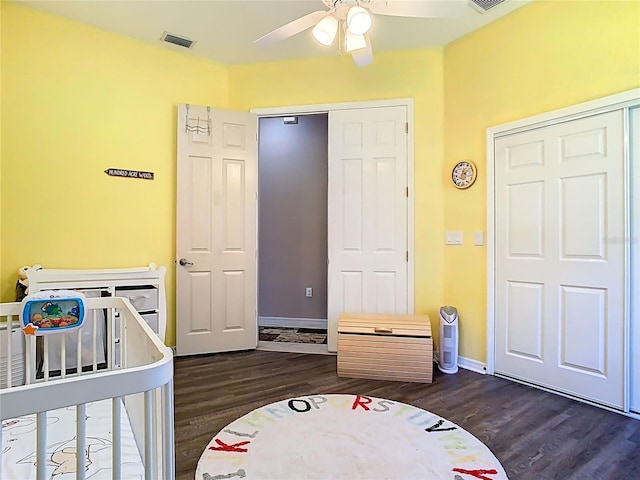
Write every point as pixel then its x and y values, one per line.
pixel 485 5
pixel 176 40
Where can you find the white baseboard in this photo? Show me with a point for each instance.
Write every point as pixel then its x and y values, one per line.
pixel 292 322
pixel 473 365
pixel 294 347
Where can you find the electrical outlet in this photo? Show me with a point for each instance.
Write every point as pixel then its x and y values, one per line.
pixel 308 292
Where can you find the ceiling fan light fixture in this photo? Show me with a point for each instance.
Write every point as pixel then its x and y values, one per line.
pixel 358 20
pixel 325 30
pixel 354 42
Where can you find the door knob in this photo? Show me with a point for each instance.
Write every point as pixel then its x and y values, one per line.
pixel 185 263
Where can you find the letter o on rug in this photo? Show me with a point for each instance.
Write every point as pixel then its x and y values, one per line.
pixel 345 437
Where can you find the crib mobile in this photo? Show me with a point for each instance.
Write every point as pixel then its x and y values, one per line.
pixel 52 311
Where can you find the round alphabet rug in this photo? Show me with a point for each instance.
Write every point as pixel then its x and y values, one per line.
pixel 345 437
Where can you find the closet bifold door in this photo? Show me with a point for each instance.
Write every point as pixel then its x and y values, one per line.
pixel 560 257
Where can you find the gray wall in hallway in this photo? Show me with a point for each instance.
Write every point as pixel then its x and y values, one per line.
pixel 292 229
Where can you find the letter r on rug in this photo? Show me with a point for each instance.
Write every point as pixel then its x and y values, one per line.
pixel 360 400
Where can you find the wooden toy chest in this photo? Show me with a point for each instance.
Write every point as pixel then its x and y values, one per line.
pixel 385 347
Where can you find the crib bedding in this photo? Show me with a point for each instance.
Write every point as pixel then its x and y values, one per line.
pixel 19 445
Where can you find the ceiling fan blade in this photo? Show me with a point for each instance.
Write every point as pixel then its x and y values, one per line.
pixel 292 28
pixel 363 56
pixel 418 8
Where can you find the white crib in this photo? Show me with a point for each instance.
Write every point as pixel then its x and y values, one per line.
pixel 117 408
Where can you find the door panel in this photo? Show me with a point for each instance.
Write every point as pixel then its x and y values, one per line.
pixel 560 257
pixel 368 212
pixel 216 220
pixel 524 319
pixel 582 216
pixel 583 328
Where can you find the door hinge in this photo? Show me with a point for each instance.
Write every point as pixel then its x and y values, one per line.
pixel 406 127
pixel 407 256
pixel 407 192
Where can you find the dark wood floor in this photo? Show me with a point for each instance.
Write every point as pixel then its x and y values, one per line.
pixel 534 434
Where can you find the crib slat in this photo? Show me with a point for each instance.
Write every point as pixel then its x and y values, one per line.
pixel 123 343
pixel 116 437
pixel 9 352
pixel 81 441
pixel 79 353
pixel 29 358
pixel 41 445
pixel 168 431
pixel 110 344
pixel 95 336
pixel 149 450
pixel 63 356
pixel 45 341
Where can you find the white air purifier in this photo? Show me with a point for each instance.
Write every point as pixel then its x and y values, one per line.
pixel 448 358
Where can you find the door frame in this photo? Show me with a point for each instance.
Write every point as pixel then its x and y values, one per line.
pixel 329 107
pixel 623 100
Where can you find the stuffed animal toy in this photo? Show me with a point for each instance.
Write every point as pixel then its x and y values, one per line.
pixel 22 287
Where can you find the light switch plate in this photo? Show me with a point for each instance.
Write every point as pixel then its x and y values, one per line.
pixel 454 238
pixel 478 239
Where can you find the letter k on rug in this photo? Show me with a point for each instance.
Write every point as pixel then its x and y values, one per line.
pixel 345 437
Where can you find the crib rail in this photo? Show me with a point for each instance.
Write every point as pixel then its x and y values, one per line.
pixel 129 365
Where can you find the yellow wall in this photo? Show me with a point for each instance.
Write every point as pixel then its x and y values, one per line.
pixel 76 101
pixel 544 56
pixel 413 74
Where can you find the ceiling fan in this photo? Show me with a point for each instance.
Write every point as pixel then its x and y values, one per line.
pixel 350 21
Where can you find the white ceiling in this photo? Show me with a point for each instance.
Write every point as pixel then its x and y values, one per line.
pixel 225 29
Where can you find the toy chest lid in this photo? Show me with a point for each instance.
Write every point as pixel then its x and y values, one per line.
pixel 383 324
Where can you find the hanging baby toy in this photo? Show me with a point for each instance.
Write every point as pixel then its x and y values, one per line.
pixel 52 311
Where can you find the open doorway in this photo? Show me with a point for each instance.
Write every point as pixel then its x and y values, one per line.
pixel 292 230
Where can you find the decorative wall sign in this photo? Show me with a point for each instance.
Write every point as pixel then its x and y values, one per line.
pixel 119 172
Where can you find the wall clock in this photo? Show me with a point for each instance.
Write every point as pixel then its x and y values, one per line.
pixel 463 174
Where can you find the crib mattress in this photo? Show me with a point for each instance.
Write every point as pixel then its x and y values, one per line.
pixel 19 445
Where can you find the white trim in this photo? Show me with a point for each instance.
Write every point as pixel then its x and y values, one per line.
pixel 328 107
pixel 634 337
pixel 405 102
pixel 290 347
pixel 473 365
pixel 592 107
pixel 601 105
pixel 626 399
pixel 491 253
pixel 410 210
pixel 292 322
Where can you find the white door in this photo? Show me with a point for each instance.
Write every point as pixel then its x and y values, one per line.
pixel 216 231
pixel 560 257
pixel 367 269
